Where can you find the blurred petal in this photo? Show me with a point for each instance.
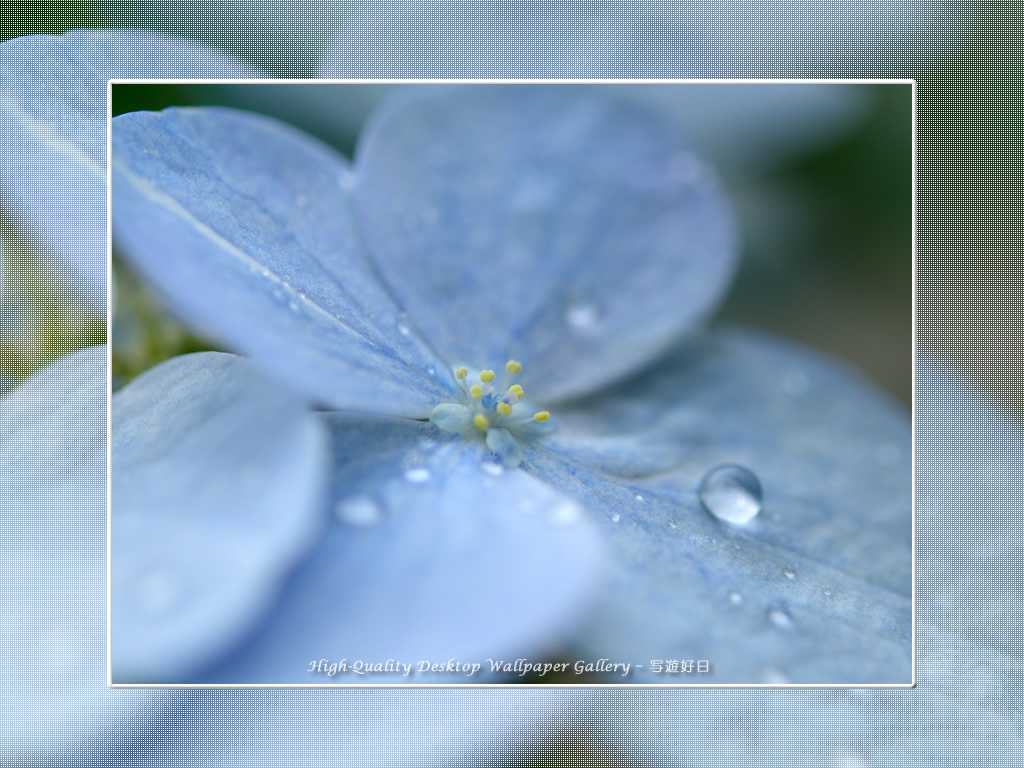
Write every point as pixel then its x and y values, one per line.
pixel 53 141
pixel 435 554
pixel 634 39
pixel 217 489
pixel 244 223
pixel 552 224
pixel 378 728
pixel 53 567
pixel 816 588
pixel 967 705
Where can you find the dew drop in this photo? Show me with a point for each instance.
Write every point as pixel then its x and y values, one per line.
pixel 293 305
pixel 789 573
pixel 827 592
pixel 731 493
pixel 735 598
pixel 580 313
pixel 616 517
pixel 671 523
pixel 358 510
pixel 780 618
pixel 417 474
pixel 403 324
pixel 565 513
pixel 639 499
pixel 491 468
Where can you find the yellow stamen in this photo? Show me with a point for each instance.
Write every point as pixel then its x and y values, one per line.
pixel 461 372
pixel 514 367
pixel 481 422
pixel 516 390
pixel 476 391
pixel 486 376
pixel 504 409
pixel 541 416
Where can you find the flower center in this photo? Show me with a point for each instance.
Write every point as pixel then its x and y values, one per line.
pixel 493 407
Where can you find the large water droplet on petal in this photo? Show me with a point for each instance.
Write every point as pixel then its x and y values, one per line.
pixel 731 493
pixel 358 510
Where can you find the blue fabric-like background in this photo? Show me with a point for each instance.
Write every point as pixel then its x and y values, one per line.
pixel 951 322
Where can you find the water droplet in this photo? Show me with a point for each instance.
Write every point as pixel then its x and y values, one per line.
pixel 403 323
pixel 731 493
pixel 671 523
pixel 157 592
pixel 417 474
pixel 431 370
pixel 580 313
pixel 684 168
pixel 827 592
pixel 735 598
pixel 490 468
pixel 293 305
pixel 795 383
pixel 639 499
pixel 358 510
pixel 780 618
pixel 789 573
pixel 565 513
pixel 616 517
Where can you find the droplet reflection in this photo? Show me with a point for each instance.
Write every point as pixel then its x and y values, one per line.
pixel 731 493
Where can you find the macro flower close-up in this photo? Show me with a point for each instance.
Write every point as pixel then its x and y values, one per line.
pixel 520 441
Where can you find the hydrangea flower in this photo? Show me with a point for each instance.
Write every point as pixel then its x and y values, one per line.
pixel 517 266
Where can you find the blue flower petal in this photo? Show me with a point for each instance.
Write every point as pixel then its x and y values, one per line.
pixel 243 222
pixel 217 488
pixel 816 588
pixel 53 142
pixel 966 707
pixel 53 566
pixel 552 224
pixel 628 38
pixel 435 553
